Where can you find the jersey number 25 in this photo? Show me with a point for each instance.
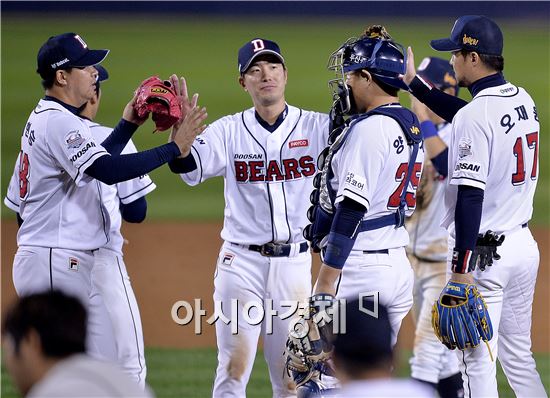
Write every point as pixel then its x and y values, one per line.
pixel 410 197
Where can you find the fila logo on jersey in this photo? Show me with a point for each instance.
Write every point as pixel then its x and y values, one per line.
pixel 82 151
pixel 255 170
pixel 467 166
pixel 298 143
pixel 74 139
pixel 73 264
pixel 227 258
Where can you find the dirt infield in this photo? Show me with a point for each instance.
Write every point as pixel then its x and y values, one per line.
pixel 169 262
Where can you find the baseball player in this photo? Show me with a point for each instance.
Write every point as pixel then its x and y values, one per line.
pixel 493 166
pixel 61 166
pixel 112 296
pixel 432 362
pixel 266 155
pixel 368 191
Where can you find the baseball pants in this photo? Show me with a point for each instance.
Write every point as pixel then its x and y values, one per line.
pixel 248 277
pixel 431 360
pixel 508 288
pixel 37 269
pixel 390 276
pixel 111 285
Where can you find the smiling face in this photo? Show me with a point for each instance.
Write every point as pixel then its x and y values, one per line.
pixel 265 81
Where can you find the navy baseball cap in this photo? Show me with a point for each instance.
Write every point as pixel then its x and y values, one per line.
pixel 102 73
pixel 472 33
pixel 367 338
pixel 66 51
pixel 255 48
pixel 438 72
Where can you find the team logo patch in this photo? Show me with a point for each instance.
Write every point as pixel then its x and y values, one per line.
pixel 298 143
pixel 464 147
pixel 74 139
pixel 469 40
pixel 73 264
pixel 227 258
pixel 355 180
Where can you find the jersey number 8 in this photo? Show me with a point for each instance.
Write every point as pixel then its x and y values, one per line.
pixel 23 176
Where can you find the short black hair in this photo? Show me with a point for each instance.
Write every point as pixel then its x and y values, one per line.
pixel 58 319
pixel 48 78
pixel 495 62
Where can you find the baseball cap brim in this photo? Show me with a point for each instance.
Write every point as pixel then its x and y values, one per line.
pixel 262 52
pixel 445 45
pixel 102 73
pixel 92 57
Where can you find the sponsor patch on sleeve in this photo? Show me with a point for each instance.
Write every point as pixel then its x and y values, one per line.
pixel 467 166
pixel 355 180
pixel 74 139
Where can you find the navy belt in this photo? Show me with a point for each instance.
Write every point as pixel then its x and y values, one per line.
pixel 382 251
pixel 277 249
pixel 525 225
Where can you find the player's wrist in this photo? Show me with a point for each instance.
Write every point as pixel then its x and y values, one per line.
pixel 461 262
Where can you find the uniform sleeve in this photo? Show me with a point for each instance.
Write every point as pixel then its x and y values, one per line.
pixel 469 154
pixel 362 159
pixel 12 196
pixel 209 152
pixel 73 147
pixel 129 191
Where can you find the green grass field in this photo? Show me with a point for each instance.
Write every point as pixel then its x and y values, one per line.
pixel 190 373
pixel 204 51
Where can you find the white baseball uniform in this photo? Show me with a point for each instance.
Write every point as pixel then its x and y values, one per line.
pixel 65 219
pixel 268 179
pixel 427 251
pixel 370 168
pixel 112 300
pixel 494 147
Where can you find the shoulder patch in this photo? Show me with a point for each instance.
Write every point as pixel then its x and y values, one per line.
pixel 74 139
pixel 464 147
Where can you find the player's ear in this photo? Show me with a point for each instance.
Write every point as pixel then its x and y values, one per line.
pixel 365 74
pixel 61 77
pixel 241 83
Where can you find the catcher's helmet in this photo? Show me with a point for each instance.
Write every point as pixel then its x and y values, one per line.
pixel 383 58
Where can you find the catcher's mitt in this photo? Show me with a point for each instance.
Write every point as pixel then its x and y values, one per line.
pixel 309 348
pixel 159 98
pixel 460 317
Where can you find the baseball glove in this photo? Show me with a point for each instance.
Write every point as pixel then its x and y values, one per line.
pixel 460 317
pixel 309 345
pixel 159 98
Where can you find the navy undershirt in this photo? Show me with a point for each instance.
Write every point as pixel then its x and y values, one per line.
pixel 489 81
pixel 272 127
